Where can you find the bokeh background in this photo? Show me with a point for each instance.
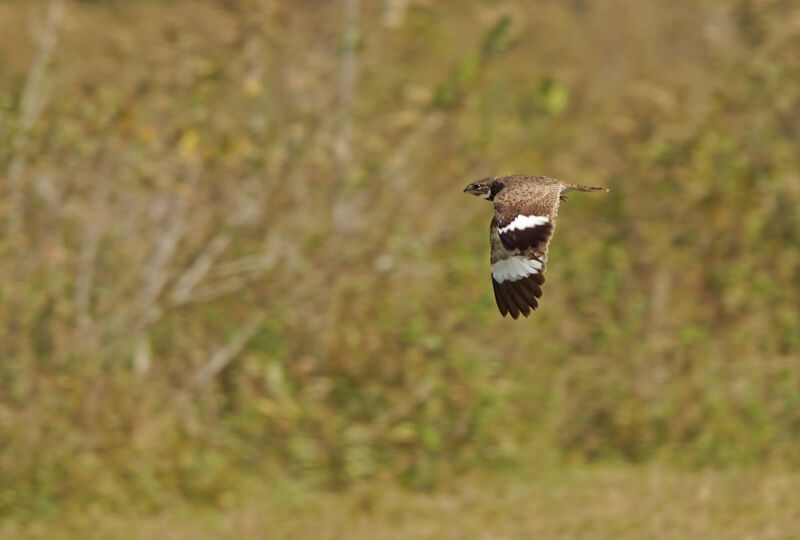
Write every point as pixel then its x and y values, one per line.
pixel 240 283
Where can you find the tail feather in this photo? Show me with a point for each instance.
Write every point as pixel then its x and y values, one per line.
pixel 577 187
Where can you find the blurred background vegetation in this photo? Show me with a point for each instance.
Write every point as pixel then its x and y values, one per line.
pixel 234 243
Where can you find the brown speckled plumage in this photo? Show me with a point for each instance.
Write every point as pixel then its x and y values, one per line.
pixel 519 233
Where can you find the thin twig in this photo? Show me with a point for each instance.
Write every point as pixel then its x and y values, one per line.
pixel 186 283
pixel 156 274
pixel 225 354
pixel 144 309
pixel 347 83
pixel 277 248
pixel 203 265
pixel 218 289
pixel 86 260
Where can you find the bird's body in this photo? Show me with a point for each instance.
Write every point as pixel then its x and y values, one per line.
pixel 525 215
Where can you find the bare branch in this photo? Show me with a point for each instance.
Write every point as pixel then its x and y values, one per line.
pixel 224 355
pixel 86 260
pixel 156 274
pixel 34 94
pixel 32 102
pixel 218 289
pixel 83 284
pixel 187 283
pixel 144 310
pixel 182 292
pixel 253 264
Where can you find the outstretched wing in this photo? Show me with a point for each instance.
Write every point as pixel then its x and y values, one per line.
pixel 520 234
pixel 517 277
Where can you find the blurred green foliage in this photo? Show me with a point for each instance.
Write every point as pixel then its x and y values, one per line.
pixel 205 279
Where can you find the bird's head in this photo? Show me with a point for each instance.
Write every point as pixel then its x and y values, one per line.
pixel 486 188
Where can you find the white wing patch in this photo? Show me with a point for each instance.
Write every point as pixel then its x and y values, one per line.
pixel 524 222
pixel 515 268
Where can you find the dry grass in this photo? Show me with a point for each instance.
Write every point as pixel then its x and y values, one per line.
pixel 618 503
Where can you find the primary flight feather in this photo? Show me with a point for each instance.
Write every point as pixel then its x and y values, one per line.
pixel 525 209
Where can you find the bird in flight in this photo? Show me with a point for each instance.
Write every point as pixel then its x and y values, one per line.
pixel 525 209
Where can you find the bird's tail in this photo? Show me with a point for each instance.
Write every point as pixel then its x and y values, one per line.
pixel 576 187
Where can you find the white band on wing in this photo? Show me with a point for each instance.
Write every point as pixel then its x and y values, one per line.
pixel 524 222
pixel 515 268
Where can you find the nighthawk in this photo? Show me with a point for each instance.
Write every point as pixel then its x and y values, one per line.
pixel 525 209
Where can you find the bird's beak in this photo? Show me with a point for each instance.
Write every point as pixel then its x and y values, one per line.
pixel 468 188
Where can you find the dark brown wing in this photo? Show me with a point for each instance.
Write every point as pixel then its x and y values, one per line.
pixel 517 277
pixel 525 210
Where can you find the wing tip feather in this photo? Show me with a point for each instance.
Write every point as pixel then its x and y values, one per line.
pixel 517 297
